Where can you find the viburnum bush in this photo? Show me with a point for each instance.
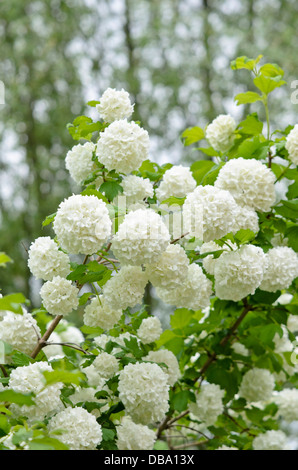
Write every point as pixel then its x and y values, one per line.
pixel 217 241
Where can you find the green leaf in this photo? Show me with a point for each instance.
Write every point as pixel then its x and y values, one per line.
pixel 251 125
pixel 211 175
pixel 64 376
pixel 94 192
pixel 93 103
pixel 200 169
pixel 267 84
pixel 244 236
pixel 4 259
pixel 292 235
pixel 180 400
pixel 289 209
pixel 253 148
pixel 18 398
pixel 12 302
pixel 49 219
pixel 247 97
pixel 271 70
pixel 171 201
pixel 181 318
pixel 192 135
pixel 244 62
pixel 111 189
pixel 208 151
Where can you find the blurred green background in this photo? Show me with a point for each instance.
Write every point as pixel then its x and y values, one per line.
pixel 172 56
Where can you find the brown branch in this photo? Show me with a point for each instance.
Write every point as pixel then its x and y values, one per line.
pixel 42 342
pixel 3 370
pixel 190 444
pixel 179 238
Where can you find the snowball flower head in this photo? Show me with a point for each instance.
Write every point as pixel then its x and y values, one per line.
pixel 82 224
pixel 270 440
pixel 239 273
pixel 249 181
pixel 141 237
pixel 79 162
pixel 106 365
pixel 20 331
pixel 100 314
pixel 220 133
pixel 132 436
pixel 46 261
pixel 257 385
pixel 71 334
pixel 246 218
pixel 170 269
pixel 281 269
pixel 169 359
pixel 287 401
pixel 29 379
pixel 208 405
pixel 177 181
pixel 292 145
pixel 114 105
pixel 209 261
pixel 193 293
pixel 123 146
pixel 126 288
pixel 149 330
pixel 144 391
pixel 59 296
pixel 209 213
pixel 136 189
pixel 80 429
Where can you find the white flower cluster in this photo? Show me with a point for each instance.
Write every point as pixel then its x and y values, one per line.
pixel 246 218
pixel 141 237
pixel 106 365
pixel 79 162
pixel 239 273
pixel 209 404
pixel 292 145
pixel 177 181
pixel 100 314
pixel 28 379
pixel 163 356
pixel 257 385
pixel 220 133
pixel 169 270
pixel 136 189
pixel 114 105
pixel 59 296
pixel 144 391
pixel 209 261
pixel 80 429
pixel 132 436
pixel 209 213
pixel 82 224
pixel 193 293
pixel 45 261
pixel 281 269
pixel 149 330
pixel 123 146
pixel 287 401
pixel 126 288
pixel 20 331
pixel 270 440
pixel 249 181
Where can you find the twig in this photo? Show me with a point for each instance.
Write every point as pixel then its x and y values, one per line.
pixel 190 444
pixel 42 342
pixel 3 370
pixel 179 238
pixel 69 345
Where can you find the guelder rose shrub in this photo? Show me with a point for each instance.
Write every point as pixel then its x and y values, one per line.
pixel 92 368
